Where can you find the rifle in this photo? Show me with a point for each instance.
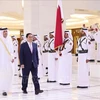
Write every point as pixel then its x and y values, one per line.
pixel 63 45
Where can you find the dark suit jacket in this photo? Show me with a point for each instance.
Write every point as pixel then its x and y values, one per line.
pixel 26 57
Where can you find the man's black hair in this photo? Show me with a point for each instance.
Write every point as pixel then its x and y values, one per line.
pixel 28 34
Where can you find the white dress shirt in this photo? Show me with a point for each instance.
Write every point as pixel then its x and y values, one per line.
pixel 30 46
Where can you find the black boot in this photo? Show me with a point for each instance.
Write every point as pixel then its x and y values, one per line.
pixel 4 93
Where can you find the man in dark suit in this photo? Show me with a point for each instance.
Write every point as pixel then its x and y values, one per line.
pixel 29 63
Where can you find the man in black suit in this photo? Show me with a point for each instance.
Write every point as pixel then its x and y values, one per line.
pixel 29 63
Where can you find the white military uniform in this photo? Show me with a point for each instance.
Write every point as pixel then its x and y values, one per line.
pixel 16 60
pixel 51 61
pixel 45 57
pixel 40 67
pixel 83 70
pixel 91 47
pixel 65 62
pixel 97 39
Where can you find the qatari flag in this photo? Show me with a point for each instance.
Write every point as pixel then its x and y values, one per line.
pixel 58 29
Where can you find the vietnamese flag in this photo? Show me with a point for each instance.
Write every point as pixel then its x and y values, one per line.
pixel 58 30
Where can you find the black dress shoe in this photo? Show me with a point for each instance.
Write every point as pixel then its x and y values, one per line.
pixel 24 91
pixel 4 93
pixel 82 87
pixel 51 81
pixel 98 60
pixel 46 67
pixel 38 91
pixel 38 78
pixel 20 75
pixel 64 83
pixel 48 81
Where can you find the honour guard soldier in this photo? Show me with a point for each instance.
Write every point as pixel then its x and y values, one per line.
pixel 16 60
pixel 40 67
pixel 91 46
pixel 45 55
pixel 83 58
pixel 23 39
pixel 65 60
pixel 97 39
pixel 51 59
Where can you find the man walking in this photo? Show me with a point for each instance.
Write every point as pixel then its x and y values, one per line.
pixel 29 63
pixel 6 60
